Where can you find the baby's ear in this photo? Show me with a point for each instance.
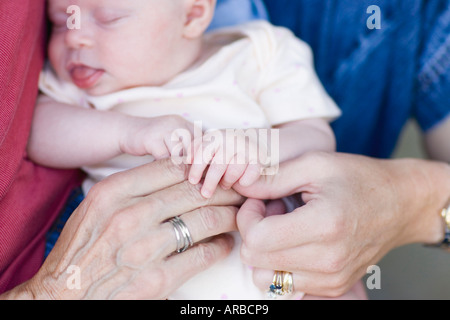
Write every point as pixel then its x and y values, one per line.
pixel 199 14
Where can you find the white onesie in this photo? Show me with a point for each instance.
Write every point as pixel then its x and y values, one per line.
pixel 264 78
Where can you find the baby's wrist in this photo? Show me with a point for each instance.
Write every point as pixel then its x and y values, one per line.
pixel 127 129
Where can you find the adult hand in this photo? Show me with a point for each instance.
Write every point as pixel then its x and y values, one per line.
pixel 356 210
pixel 120 241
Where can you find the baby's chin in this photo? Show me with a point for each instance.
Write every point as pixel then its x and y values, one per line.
pixel 105 86
pixel 97 93
pixel 101 90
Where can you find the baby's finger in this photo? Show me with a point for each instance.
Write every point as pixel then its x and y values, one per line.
pixel 233 173
pixel 160 151
pixel 178 144
pixel 251 175
pixel 192 147
pixel 201 159
pixel 212 179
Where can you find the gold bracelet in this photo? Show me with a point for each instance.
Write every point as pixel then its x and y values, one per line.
pixel 446 216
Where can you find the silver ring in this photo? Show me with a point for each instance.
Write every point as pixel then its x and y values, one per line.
pixel 182 234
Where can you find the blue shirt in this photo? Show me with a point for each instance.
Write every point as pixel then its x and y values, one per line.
pixel 380 78
pixel 232 12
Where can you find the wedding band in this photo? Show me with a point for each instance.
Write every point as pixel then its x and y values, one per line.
pixel 182 234
pixel 288 283
pixel 179 240
pixel 282 284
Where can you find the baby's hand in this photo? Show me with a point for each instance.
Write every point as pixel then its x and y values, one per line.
pixel 231 158
pixel 155 136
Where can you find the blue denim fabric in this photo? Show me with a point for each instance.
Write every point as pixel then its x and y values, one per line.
pixel 74 200
pixel 232 12
pixel 382 77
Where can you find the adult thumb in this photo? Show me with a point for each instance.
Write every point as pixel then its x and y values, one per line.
pixel 292 177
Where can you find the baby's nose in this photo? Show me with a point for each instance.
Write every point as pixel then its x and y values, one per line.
pixel 78 38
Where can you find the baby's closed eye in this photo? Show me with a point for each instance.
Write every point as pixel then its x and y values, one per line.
pixel 108 16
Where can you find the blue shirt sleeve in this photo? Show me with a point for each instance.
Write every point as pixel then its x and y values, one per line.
pixel 382 77
pixel 432 104
pixel 232 12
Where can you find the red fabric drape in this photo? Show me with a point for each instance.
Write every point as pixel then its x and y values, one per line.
pixel 30 196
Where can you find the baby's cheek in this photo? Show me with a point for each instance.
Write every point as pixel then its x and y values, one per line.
pixel 56 57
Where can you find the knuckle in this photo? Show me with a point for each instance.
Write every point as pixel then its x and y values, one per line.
pixel 178 170
pixel 338 286
pixel 210 219
pixel 254 239
pixel 217 168
pixel 155 206
pixel 334 227
pixel 251 242
pixel 205 256
pixel 334 263
pixel 191 191
pixel 233 173
pixel 100 194
pixel 340 291
pixel 141 249
pixel 159 152
pixel 255 243
pixel 122 225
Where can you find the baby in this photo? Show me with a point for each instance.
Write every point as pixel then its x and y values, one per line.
pixel 136 73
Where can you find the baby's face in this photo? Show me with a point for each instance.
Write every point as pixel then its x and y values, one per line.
pixel 120 44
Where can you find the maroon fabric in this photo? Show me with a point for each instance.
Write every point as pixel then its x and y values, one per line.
pixel 30 196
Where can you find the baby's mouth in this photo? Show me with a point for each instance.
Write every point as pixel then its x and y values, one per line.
pixel 85 77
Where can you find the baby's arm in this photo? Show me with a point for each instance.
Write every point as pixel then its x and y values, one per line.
pixel 65 136
pixel 299 137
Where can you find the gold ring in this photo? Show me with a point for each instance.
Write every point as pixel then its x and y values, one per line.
pixel 282 284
